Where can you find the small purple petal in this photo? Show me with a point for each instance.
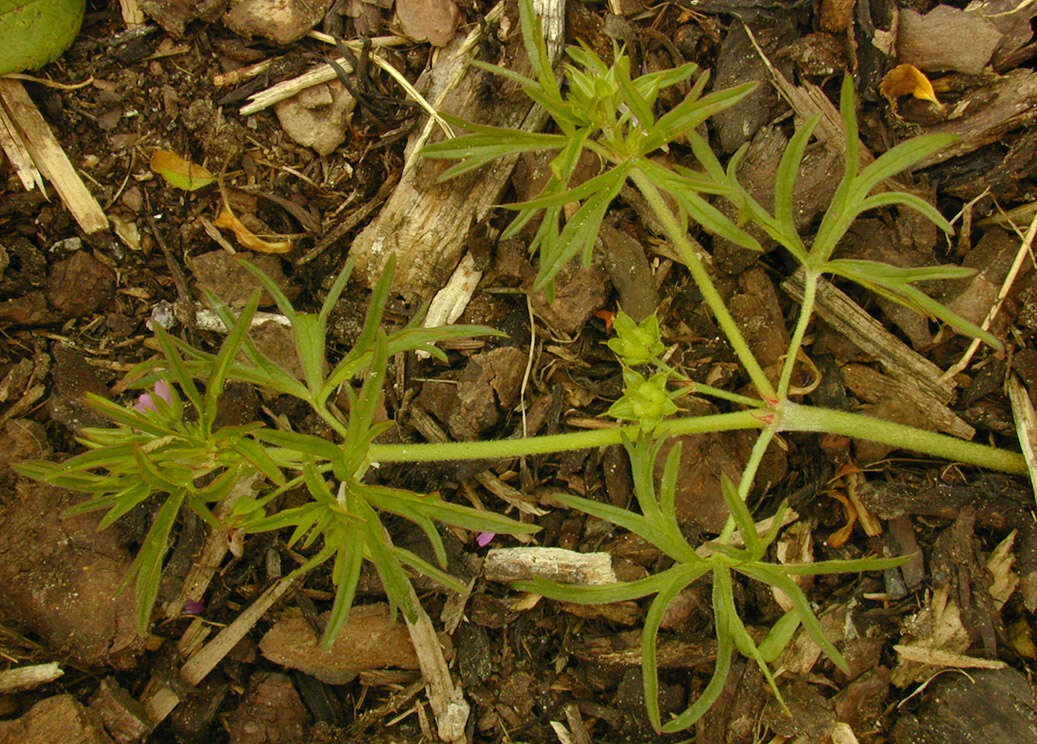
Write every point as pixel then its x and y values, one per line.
pixel 484 538
pixel 145 403
pixel 194 607
pixel 164 391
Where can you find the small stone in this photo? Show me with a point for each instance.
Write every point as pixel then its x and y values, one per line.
pixel 433 21
pixel 282 21
pixel 318 117
pixel 223 274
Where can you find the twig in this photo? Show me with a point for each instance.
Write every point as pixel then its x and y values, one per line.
pixel 1025 249
pixel 314 76
pixel 354 219
pixel 242 73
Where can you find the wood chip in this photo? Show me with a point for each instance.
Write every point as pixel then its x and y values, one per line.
pixel 624 650
pixel 425 223
pixel 986 114
pixel 946 38
pixel 447 699
pixel 940 658
pixel 554 564
pixel 871 386
pixel 28 677
pixel 48 156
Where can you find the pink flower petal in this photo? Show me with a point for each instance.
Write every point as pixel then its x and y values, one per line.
pixel 164 391
pixel 484 538
pixel 145 403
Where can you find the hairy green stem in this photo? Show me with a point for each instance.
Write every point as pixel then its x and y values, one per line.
pixel 806 312
pixel 795 417
pixel 748 475
pixel 790 417
pixel 501 448
pixel 678 237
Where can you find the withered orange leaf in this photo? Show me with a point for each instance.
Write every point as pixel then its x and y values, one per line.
pixel 905 80
pixel 249 239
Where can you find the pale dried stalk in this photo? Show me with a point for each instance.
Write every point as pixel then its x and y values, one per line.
pixel 314 76
pixel 1025 249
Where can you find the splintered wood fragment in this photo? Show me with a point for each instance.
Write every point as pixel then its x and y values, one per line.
pixel 131 12
pixel 28 677
pixel 940 658
pixel 447 700
pixel 872 386
pixel 899 360
pixel 554 564
pixel 425 224
pixel 451 300
pixel 18 156
pixel 1025 425
pixel 46 153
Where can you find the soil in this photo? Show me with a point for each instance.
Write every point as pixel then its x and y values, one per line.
pixel 75 309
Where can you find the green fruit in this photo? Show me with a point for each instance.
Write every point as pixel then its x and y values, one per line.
pixel 35 32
